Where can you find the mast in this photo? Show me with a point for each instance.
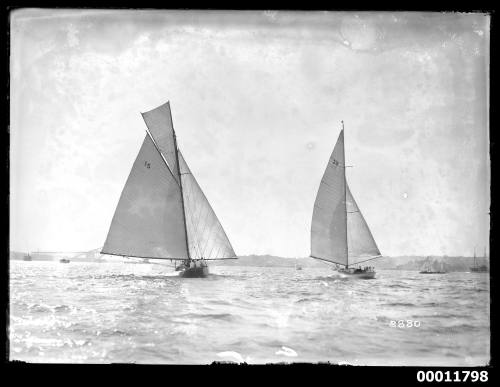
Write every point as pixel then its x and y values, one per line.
pixel 180 185
pixel 345 199
pixel 475 257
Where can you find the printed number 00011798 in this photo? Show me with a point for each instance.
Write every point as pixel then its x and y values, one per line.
pixel 452 376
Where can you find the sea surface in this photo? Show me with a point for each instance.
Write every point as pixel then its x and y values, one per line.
pixel 115 312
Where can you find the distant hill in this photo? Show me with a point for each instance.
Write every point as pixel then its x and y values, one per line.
pixel 89 256
pixel 268 261
pixel 390 263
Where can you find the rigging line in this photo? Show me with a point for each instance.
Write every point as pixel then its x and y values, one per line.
pixel 205 223
pixel 214 246
pixel 208 240
pixel 366 260
pixel 199 212
pixel 345 197
pixel 176 148
pixel 328 260
pixel 161 154
pixel 216 217
pixel 218 251
pixel 189 212
pixel 140 256
pixel 226 239
pixel 195 224
pixel 189 203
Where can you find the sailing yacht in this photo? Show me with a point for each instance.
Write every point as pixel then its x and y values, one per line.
pixel 162 212
pixel 479 268
pixel 339 232
pixel 432 267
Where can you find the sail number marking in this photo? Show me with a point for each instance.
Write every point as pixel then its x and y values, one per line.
pixel 147 164
pixel 405 324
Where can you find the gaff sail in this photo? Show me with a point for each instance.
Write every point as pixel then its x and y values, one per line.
pixel 148 220
pixel 162 212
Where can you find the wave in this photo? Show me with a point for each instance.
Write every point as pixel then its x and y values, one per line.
pixel 398 286
pixel 308 299
pixel 408 304
pixel 333 277
pixel 211 316
pixel 44 308
pixel 113 333
pixel 133 277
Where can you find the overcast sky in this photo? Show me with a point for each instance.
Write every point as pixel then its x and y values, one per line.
pixel 257 99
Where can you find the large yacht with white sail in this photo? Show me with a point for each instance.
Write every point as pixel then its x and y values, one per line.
pixel 162 212
pixel 339 232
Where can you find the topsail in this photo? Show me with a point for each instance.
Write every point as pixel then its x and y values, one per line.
pixel 339 232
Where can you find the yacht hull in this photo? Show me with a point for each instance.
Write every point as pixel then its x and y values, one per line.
pixel 194 272
pixel 358 275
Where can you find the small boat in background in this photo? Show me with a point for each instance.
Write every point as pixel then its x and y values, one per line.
pixel 64 260
pixel 479 268
pixel 27 257
pixel 431 267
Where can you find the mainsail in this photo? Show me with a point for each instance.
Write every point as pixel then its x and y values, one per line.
pixel 148 221
pixel 207 238
pixel 162 212
pixel 328 228
pixel 339 232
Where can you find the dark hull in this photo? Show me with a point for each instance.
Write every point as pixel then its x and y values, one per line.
pixel 64 260
pixel 432 272
pixel 195 272
pixel 361 274
pixel 478 270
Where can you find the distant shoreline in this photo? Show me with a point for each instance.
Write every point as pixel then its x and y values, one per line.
pixel 451 264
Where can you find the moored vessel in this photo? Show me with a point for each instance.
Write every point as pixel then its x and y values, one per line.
pixel 432 267
pixel 479 268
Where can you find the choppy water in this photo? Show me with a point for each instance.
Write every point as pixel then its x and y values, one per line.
pixel 144 313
